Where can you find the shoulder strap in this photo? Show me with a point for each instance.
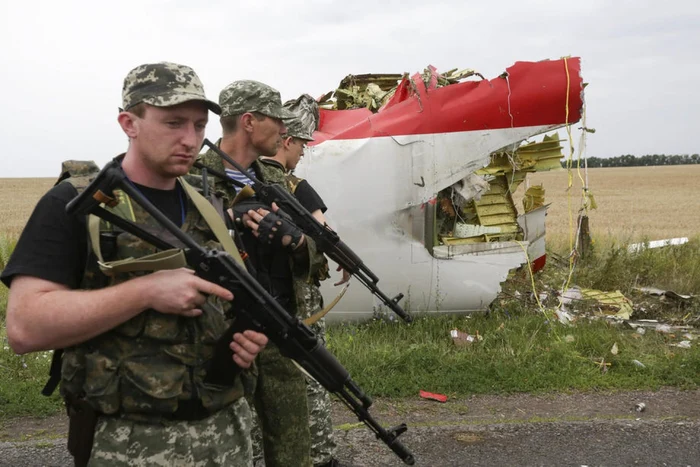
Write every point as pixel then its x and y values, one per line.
pixel 215 222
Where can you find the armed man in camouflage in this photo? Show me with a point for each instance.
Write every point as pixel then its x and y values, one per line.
pixel 135 344
pixel 300 132
pixel 252 123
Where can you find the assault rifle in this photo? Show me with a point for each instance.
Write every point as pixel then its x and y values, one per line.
pixel 254 307
pixel 327 240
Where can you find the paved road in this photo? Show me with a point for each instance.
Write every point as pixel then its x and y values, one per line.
pixel 549 430
pixel 599 443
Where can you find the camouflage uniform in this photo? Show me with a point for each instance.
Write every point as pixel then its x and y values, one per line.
pixel 279 392
pixel 309 302
pixel 141 374
pixel 121 442
pixel 323 446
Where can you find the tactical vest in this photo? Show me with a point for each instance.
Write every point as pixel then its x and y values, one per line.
pixel 151 364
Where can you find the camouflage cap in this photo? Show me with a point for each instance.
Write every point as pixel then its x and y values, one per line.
pixel 162 85
pixel 306 116
pixel 244 96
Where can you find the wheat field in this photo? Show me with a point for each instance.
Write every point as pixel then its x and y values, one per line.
pixel 634 204
pixel 18 196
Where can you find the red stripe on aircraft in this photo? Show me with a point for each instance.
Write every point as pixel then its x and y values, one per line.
pixel 528 94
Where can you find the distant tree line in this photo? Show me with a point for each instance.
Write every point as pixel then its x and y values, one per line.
pixel 628 160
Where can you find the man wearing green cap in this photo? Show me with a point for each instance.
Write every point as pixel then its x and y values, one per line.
pixel 252 121
pixel 136 344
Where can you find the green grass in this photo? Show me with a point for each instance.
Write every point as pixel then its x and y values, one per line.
pixel 523 349
pixel 7 246
pixel 23 376
pixel 612 267
pixel 517 354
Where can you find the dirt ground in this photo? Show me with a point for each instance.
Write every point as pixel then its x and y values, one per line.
pixel 521 429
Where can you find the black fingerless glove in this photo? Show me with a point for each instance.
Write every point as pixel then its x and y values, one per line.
pixel 273 227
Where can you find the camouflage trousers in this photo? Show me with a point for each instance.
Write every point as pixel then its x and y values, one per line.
pixel 222 439
pixel 280 431
pixel 319 402
pixel 320 424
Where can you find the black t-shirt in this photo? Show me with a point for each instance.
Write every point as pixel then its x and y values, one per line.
pixel 172 203
pixel 54 246
pixel 308 197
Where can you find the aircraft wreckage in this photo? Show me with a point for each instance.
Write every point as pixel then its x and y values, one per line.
pixel 418 173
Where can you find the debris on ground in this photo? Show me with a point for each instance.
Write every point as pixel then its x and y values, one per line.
pixel 609 304
pixel 682 345
pixel 644 309
pixel 637 247
pixel 461 338
pixel 658 327
pixel 564 316
pixel 640 407
pixel 664 293
pixel 432 396
pixel 613 304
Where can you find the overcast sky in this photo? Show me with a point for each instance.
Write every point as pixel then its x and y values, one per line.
pixel 63 62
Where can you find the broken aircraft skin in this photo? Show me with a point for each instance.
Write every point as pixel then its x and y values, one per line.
pixel 418 178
